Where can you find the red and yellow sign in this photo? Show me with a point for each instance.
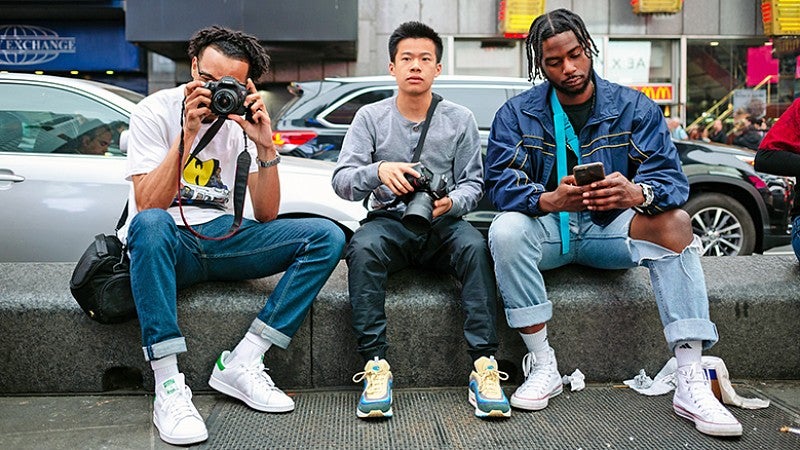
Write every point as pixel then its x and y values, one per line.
pixel 656 6
pixel 658 92
pixel 516 16
pixel 781 17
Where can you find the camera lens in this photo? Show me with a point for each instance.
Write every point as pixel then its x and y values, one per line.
pixel 224 102
pixel 419 213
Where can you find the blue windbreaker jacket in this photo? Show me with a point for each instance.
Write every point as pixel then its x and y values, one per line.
pixel 626 131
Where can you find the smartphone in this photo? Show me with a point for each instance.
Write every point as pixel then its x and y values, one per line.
pixel 588 173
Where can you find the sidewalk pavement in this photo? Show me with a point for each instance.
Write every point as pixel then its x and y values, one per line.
pixel 602 416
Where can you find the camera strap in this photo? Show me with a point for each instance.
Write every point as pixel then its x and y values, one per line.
pixel 564 134
pixel 418 150
pixel 209 134
pixel 239 187
pixel 436 98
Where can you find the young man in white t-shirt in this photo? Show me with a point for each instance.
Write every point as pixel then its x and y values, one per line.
pixel 166 255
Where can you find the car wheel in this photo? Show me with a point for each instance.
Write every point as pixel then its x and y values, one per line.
pixel 723 224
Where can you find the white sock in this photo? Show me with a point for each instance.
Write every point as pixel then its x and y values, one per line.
pixel 538 344
pixel 250 348
pixel 164 368
pixel 688 353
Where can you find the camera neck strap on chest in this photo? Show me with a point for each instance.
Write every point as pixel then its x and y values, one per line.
pixel 418 149
pixel 240 185
pixel 564 135
pixel 435 99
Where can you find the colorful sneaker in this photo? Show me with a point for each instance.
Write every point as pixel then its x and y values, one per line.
pixel 376 400
pixel 695 401
pixel 250 384
pixel 542 382
pixel 485 393
pixel 174 414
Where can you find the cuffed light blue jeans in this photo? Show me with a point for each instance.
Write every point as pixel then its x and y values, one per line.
pixel 523 246
pixel 165 258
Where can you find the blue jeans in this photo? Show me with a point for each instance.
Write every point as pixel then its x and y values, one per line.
pixel 524 246
pixel 165 258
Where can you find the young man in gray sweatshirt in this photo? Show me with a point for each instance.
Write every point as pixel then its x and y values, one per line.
pixel 376 162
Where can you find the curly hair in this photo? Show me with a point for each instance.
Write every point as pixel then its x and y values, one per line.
pixel 233 44
pixel 548 25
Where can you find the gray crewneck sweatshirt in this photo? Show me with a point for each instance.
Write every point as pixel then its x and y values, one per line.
pixel 380 133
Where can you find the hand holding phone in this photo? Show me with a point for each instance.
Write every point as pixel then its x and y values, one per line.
pixel 588 173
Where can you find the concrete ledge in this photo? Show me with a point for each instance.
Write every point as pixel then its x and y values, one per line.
pixel 605 323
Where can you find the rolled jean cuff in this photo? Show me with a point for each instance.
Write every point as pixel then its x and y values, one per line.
pixel 161 349
pixel 529 315
pixel 691 330
pixel 271 334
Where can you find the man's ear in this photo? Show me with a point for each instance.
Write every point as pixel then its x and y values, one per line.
pixel 391 68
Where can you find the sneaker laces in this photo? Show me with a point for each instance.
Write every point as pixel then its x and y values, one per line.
pixel 489 382
pixel 258 373
pixel 179 405
pixel 376 381
pixel 700 392
pixel 535 378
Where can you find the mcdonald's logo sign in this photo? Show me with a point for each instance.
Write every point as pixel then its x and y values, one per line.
pixel 659 93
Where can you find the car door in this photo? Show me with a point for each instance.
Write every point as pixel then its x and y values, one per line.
pixel 54 197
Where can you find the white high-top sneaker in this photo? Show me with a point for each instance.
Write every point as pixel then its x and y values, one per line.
pixel 695 401
pixel 542 382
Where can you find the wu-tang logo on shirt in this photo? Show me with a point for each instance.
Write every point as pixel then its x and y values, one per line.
pixel 203 183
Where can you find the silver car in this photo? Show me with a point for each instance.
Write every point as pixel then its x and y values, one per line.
pixel 62 169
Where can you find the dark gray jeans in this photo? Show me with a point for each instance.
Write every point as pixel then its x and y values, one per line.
pixel 383 246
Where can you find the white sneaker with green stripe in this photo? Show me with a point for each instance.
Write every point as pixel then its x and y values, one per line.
pixel 174 414
pixel 250 384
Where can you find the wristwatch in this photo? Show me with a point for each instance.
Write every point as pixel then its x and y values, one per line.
pixel 270 163
pixel 648 193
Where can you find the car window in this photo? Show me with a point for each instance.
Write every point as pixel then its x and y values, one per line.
pixel 343 115
pixel 43 119
pixel 482 101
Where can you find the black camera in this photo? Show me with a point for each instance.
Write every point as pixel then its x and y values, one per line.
pixel 428 187
pixel 227 97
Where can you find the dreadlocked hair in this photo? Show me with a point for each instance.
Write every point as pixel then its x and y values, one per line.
pixel 548 25
pixel 233 44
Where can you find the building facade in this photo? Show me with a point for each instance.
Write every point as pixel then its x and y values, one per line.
pixel 708 52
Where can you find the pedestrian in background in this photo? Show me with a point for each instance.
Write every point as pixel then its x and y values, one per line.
pixel 779 154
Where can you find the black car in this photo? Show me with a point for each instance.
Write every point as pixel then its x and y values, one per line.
pixel 735 210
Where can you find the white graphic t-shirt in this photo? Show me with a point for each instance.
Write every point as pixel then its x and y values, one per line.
pixel 207 180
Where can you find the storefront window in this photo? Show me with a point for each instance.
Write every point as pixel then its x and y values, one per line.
pixel 715 70
pixel 647 66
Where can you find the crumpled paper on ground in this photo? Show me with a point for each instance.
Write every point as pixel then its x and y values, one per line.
pixel 576 380
pixel 665 381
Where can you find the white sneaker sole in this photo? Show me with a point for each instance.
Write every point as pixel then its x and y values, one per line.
pixel 231 391
pixel 709 428
pixel 374 414
pixel 535 404
pixel 482 414
pixel 175 440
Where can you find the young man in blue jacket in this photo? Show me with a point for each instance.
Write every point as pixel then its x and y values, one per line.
pixel 629 216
